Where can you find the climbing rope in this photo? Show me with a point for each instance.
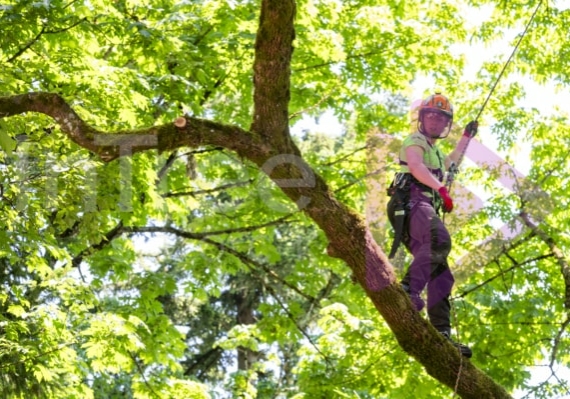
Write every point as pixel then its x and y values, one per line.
pixel 509 59
pixel 454 168
pixel 458 349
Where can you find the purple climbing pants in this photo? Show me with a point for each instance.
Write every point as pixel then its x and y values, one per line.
pixel 430 244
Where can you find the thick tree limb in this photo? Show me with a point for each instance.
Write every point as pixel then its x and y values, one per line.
pixel 272 71
pixel 109 146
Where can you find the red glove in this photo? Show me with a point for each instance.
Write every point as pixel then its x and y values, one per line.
pixel 447 201
pixel 471 129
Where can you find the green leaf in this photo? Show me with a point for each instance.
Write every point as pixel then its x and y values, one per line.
pixel 7 143
pixel 17 310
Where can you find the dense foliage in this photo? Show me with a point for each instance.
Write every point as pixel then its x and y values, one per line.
pixel 188 273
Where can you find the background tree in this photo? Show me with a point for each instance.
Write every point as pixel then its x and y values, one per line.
pixel 216 265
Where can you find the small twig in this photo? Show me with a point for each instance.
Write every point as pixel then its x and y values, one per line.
pixel 466 292
pixel 141 372
pixel 43 31
pixel 111 235
pixel 252 264
pixel 342 158
pixel 167 229
pixel 292 318
pixel 207 191
pixel 556 344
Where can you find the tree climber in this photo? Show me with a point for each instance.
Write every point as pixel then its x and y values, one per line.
pixel 417 195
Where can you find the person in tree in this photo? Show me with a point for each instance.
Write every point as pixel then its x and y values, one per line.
pixel 418 194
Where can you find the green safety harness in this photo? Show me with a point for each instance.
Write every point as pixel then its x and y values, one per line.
pixel 399 191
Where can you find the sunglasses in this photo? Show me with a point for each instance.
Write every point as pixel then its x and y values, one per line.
pixel 436 117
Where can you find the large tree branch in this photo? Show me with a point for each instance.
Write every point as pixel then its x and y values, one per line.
pixel 193 132
pixel 272 71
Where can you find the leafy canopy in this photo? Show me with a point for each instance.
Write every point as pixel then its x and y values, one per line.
pixel 189 274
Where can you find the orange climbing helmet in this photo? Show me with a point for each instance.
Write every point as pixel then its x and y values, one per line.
pixel 436 106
